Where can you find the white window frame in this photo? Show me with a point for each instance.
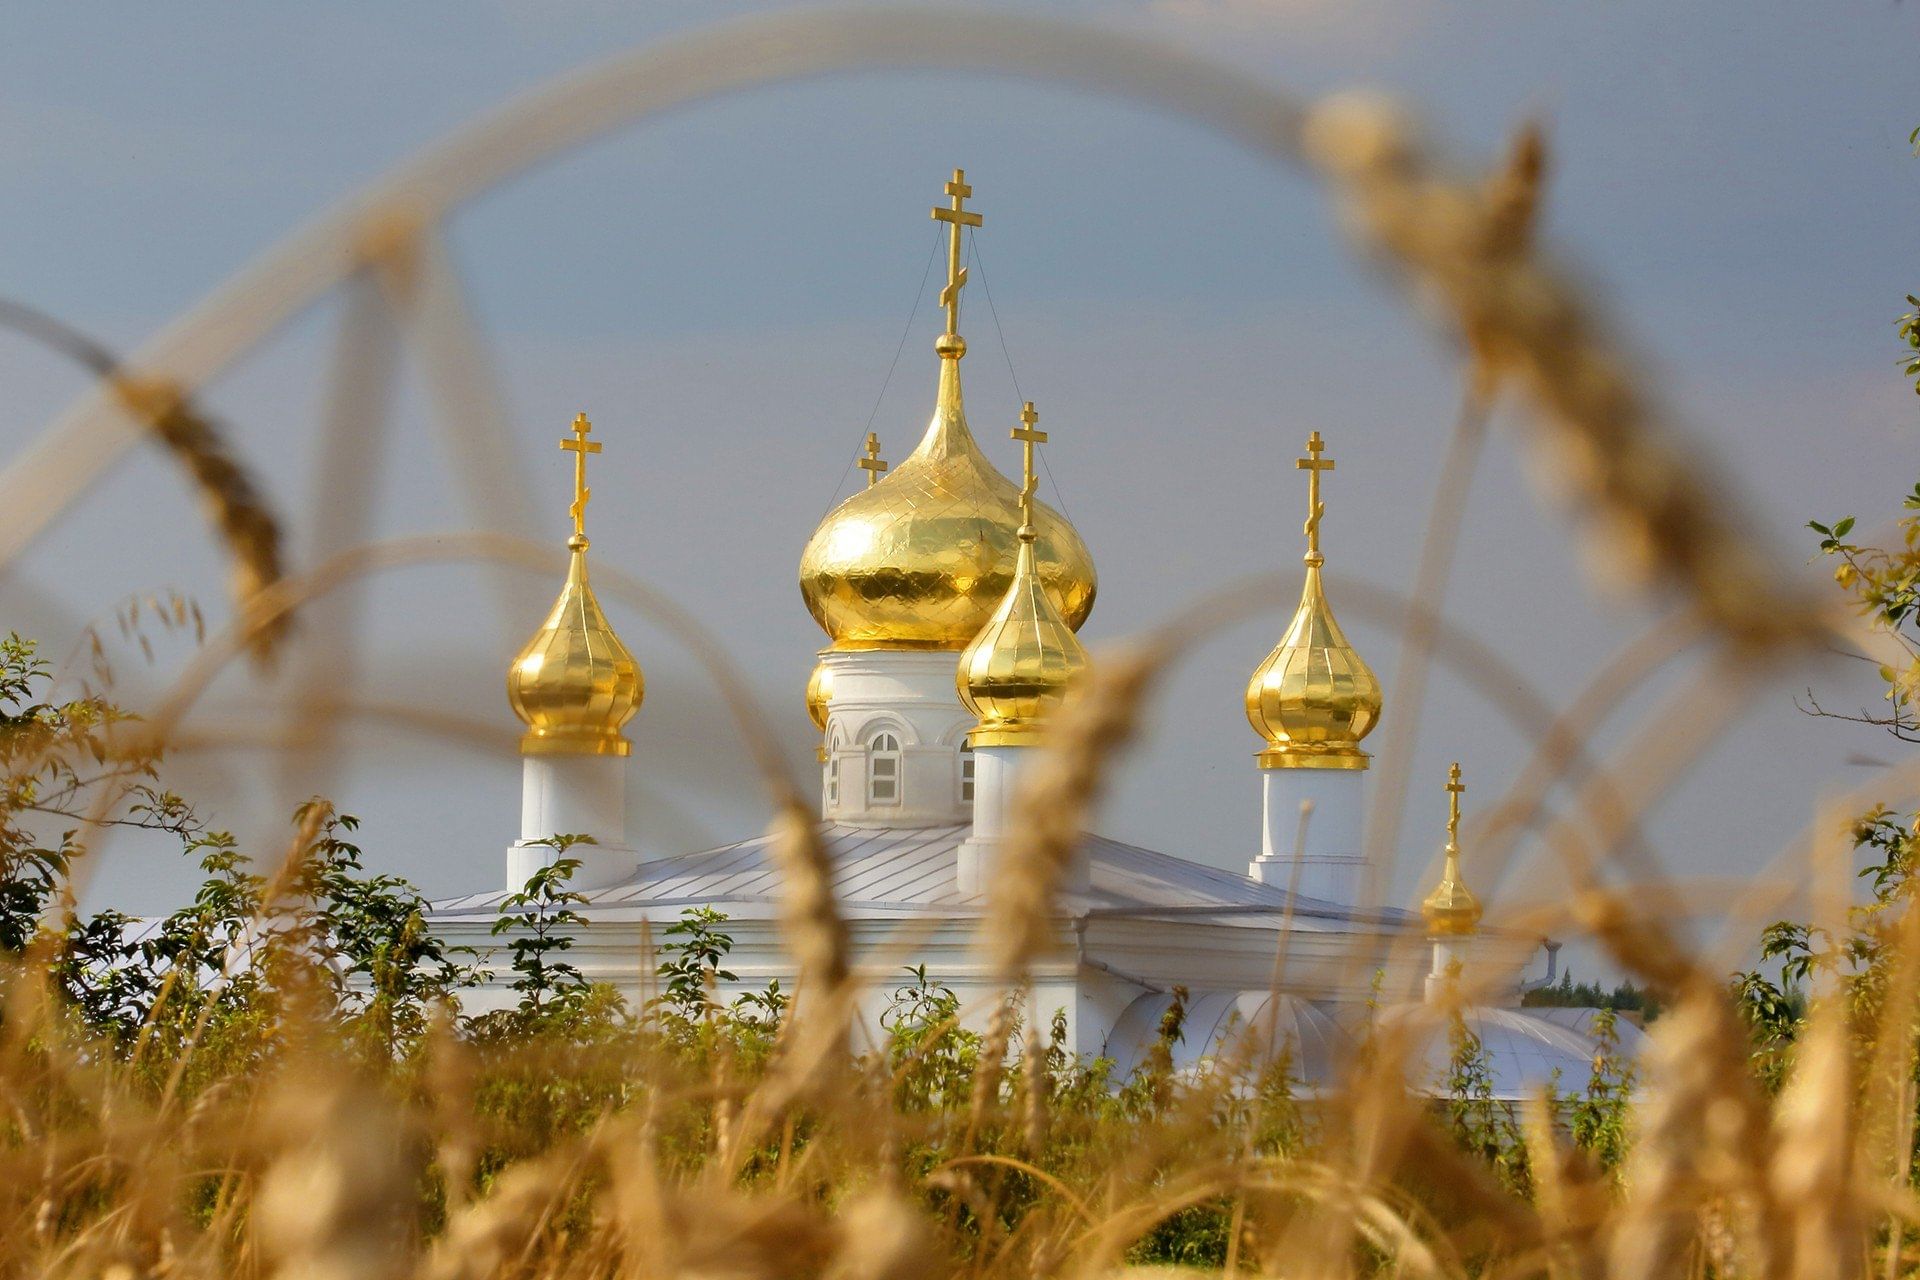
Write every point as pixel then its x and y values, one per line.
pixel 968 764
pixel 883 768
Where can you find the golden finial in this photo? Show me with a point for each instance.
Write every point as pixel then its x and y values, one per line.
pixel 871 463
pixel 580 447
pixel 1313 464
pixel 1451 908
pixel 1017 669
pixel 955 215
pixel 1028 435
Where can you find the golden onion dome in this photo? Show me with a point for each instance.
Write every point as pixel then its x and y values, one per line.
pixel 819 693
pixel 1314 698
pixel 1452 910
pixel 575 685
pixel 1017 670
pixel 923 558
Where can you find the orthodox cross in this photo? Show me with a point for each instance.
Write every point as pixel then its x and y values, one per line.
pixel 1454 788
pixel 871 464
pixel 955 216
pixel 1313 464
pixel 1028 435
pixel 580 446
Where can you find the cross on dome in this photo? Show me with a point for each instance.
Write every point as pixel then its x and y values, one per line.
pixel 956 215
pixel 1028 435
pixel 580 447
pixel 1313 464
pixel 872 463
pixel 1454 788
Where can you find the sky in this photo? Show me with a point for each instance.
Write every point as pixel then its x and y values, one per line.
pixel 724 290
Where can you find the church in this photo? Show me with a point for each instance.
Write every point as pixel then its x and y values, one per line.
pixel 950 597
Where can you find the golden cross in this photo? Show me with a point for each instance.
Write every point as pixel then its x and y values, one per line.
pixel 1454 788
pixel 581 447
pixel 1028 435
pixel 955 216
pixel 1313 464
pixel 872 464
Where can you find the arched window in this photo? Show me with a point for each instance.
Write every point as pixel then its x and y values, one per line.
pixel 883 769
pixel 966 773
pixel 833 781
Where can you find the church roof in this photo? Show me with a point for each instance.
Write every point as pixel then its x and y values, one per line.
pixel 905 872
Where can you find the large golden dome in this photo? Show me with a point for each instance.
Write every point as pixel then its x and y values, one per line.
pixel 922 559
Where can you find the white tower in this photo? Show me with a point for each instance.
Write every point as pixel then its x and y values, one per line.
pixel 1313 700
pixel 1012 677
pixel 901 577
pixel 575 685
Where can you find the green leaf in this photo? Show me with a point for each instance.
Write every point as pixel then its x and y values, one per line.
pixel 1842 529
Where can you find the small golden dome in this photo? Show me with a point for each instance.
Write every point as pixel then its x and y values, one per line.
pixel 575 684
pixel 1018 668
pixel 1314 698
pixel 1451 910
pixel 923 558
pixel 819 693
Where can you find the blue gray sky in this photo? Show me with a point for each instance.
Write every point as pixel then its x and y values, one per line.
pixel 724 292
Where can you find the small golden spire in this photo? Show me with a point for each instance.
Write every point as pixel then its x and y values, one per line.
pixel 1314 698
pixel 580 447
pixel 1313 464
pixel 575 685
pixel 1451 908
pixel 955 215
pixel 1018 668
pixel 871 463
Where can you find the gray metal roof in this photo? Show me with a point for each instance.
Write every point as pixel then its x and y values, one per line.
pixel 911 871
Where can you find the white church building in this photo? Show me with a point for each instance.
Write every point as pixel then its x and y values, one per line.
pixel 950 597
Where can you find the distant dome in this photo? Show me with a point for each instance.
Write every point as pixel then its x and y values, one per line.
pixel 1220 1022
pixel 1524 1051
pixel 923 558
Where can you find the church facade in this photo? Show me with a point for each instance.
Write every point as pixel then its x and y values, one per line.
pixel 950 597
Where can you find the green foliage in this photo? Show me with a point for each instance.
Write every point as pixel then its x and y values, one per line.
pixel 1568 994
pixel 540 922
pixel 931 1058
pixel 1480 1123
pixel 1598 1118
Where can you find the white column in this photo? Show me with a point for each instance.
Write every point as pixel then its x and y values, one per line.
pixel 909 694
pixel 1449 966
pixel 998 772
pixel 1331 864
pixel 574 795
